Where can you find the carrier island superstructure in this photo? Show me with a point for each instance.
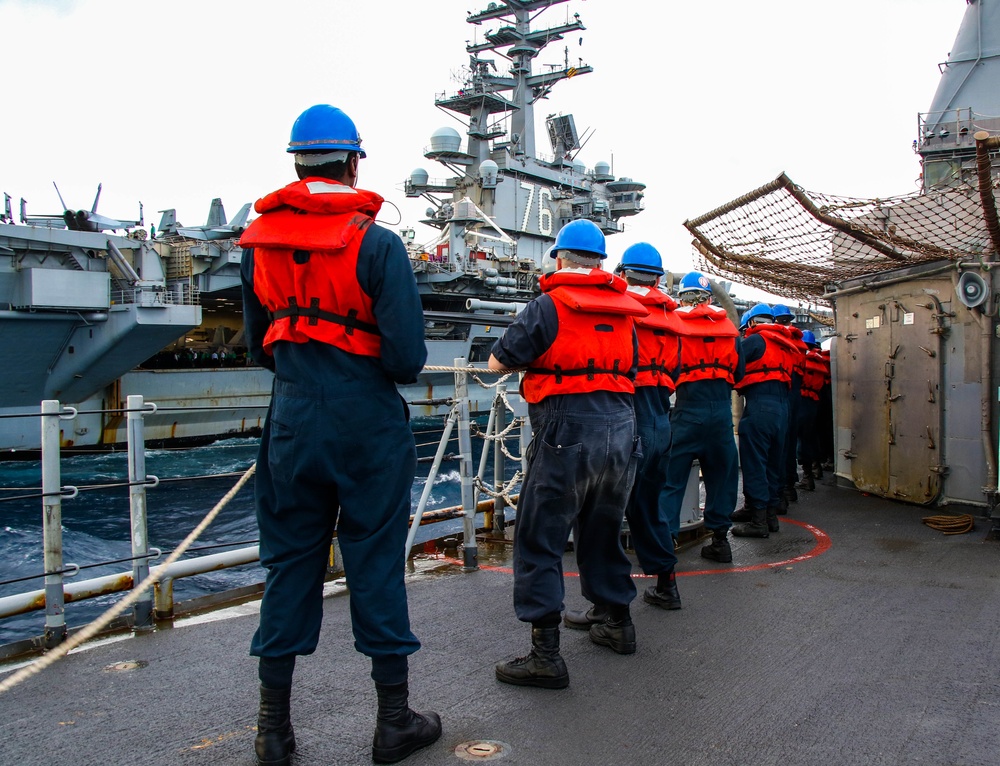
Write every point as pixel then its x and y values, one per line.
pixel 493 220
pixel 504 203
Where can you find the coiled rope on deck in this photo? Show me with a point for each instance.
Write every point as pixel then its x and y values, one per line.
pixel 91 630
pixel 951 525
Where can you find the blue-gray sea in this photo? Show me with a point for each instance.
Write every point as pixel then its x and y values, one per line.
pixel 96 523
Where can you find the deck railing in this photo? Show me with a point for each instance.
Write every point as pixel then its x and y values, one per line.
pixel 159 605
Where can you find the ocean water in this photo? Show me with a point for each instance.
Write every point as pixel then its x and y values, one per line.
pixel 96 523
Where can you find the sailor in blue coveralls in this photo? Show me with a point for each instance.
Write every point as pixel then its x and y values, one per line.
pixel 659 357
pixel 701 421
pixel 578 342
pixel 331 307
pixel 769 351
pixel 784 316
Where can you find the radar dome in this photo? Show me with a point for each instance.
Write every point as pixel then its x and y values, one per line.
pixel 488 172
pixel 602 171
pixel 446 140
pixel 419 177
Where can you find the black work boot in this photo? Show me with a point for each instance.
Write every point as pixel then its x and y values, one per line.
pixel 582 620
pixel 782 506
pixel 772 520
pixel 618 634
pixel 740 514
pixel 543 667
pixel 756 527
pixel 400 731
pixel 791 496
pixel 664 594
pixel 718 549
pixel 808 483
pixel 275 740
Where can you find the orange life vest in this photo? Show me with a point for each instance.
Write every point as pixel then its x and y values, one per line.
pixel 799 356
pixel 779 352
pixel 659 338
pixel 817 374
pixel 593 347
pixel 306 244
pixel 709 348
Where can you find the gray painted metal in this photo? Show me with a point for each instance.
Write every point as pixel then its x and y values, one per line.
pixel 967 100
pixel 969 76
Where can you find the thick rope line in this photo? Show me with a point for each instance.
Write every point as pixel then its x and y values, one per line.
pixel 101 622
pixel 951 525
pixel 486 370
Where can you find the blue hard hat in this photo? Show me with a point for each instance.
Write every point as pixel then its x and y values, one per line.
pixel 781 310
pixel 581 235
pixel 744 318
pixel 809 338
pixel 642 256
pixel 694 281
pixel 323 128
pixel 760 310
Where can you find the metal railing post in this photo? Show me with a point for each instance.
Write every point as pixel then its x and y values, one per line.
pixel 429 484
pixel 470 553
pixel 55 606
pixel 499 502
pixel 521 410
pixel 142 611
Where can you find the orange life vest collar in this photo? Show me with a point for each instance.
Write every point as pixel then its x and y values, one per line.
pixel 659 341
pixel 306 245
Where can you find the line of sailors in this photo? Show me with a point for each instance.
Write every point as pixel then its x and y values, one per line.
pixel 604 355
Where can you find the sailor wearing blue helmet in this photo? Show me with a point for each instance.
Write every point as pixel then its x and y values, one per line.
pixel 578 343
pixel 762 426
pixel 784 316
pixel 701 421
pixel 331 307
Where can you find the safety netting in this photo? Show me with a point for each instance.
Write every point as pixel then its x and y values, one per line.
pixel 798 244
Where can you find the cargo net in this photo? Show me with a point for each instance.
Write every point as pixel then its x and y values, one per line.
pixel 798 244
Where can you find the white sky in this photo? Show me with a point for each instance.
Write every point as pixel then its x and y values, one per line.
pixel 174 103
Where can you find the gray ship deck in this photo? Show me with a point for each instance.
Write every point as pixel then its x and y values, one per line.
pixel 880 649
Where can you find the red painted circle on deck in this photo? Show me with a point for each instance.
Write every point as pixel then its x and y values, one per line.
pixel 822 545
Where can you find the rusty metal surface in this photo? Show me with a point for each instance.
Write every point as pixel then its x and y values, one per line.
pixel 889 370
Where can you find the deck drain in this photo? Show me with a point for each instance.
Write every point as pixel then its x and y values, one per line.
pixel 126 665
pixel 482 750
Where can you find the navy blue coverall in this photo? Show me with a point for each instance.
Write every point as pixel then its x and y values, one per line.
pixel 701 423
pixel 762 435
pixel 791 472
pixel 581 464
pixel 337 453
pixel 651 534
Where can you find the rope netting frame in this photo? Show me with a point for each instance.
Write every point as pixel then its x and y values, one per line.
pixel 798 244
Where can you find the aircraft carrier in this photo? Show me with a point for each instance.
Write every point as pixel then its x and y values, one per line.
pixel 69 284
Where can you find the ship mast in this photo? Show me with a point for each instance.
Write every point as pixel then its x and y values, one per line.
pixel 524 45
